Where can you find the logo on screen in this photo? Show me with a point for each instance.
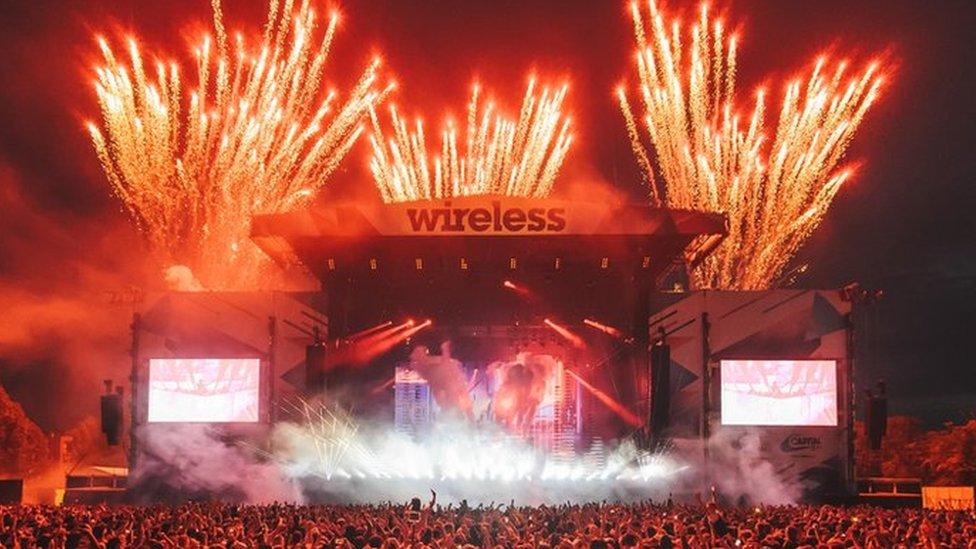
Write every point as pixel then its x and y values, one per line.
pixel 799 443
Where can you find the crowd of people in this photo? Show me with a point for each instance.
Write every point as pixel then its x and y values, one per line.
pixel 415 525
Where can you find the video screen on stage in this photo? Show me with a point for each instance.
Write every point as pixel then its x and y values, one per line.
pixel 779 392
pixel 204 390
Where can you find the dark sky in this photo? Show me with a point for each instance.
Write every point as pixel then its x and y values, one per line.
pixel 904 224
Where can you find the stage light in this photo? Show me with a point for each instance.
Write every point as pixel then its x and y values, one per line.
pixel 605 262
pixel 568 335
pixel 646 262
pixel 464 264
pixel 512 263
pixel 419 264
pixel 519 289
pixel 372 264
pixel 330 263
pixel 609 330
pixel 558 263
pixel 366 349
pixel 368 331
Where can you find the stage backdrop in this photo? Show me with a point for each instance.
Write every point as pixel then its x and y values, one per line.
pixel 782 345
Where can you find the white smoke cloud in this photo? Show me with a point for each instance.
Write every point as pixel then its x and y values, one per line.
pixel 180 278
pixel 739 471
pixel 352 462
pixel 192 459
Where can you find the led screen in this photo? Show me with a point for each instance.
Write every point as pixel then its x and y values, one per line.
pixel 779 392
pixel 207 390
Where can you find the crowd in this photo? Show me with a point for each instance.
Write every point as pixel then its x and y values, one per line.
pixel 416 525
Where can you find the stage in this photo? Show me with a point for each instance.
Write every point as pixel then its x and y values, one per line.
pixel 501 341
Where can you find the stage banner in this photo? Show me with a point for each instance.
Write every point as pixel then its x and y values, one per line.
pixel 948 498
pixel 486 216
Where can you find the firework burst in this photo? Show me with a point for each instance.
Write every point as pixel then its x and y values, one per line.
pixel 255 134
pixel 775 187
pixel 501 156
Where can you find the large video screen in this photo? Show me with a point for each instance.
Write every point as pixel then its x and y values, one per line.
pixel 779 392
pixel 204 390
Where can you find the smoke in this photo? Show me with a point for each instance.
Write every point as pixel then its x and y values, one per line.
pixel 350 461
pixel 522 388
pixel 589 185
pixel 180 278
pixel 373 462
pixel 739 472
pixel 190 460
pixel 68 287
pixel 445 377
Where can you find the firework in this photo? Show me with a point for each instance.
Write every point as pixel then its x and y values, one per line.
pixel 333 433
pixel 775 189
pixel 501 156
pixel 255 134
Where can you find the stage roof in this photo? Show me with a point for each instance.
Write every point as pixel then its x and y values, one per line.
pixel 486 233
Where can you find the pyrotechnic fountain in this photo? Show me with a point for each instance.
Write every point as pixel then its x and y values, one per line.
pixel 500 156
pixel 774 184
pixel 256 133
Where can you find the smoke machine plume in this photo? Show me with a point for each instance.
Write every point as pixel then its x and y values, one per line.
pixel 774 184
pixel 255 134
pixel 501 156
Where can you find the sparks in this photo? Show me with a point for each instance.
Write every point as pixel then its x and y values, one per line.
pixel 501 156
pixel 776 185
pixel 254 134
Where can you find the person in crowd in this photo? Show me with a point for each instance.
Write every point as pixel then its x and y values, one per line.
pixel 567 526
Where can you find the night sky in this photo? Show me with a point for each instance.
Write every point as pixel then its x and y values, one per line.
pixel 905 223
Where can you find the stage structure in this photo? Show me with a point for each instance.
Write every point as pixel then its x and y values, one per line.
pixel 500 276
pixel 772 366
pixel 535 315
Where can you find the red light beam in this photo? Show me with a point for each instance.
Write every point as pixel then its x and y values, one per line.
pixel 391 340
pixel 368 331
pixel 609 330
pixel 519 289
pixel 607 400
pixel 576 340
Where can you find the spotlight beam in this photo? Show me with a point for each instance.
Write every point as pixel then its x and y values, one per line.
pixel 392 339
pixel 519 290
pixel 609 330
pixel 607 400
pixel 368 331
pixel 366 348
pixel 576 340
